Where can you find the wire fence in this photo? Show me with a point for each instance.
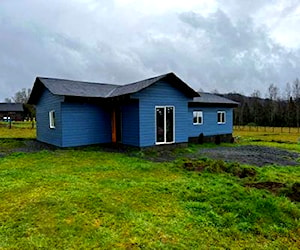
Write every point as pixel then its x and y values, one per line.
pixel 19 125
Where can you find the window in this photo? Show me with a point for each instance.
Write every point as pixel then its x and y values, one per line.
pixel 221 117
pixel 165 125
pixel 52 119
pixel 197 117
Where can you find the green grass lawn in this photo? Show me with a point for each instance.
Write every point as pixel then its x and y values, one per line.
pixel 84 199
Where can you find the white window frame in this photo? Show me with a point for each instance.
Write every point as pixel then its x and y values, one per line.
pixel 165 121
pixel 52 119
pixel 199 113
pixel 222 116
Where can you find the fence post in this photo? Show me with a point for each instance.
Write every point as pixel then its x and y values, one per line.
pixel 9 124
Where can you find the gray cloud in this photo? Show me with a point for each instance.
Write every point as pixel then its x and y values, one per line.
pixel 245 56
pixel 85 40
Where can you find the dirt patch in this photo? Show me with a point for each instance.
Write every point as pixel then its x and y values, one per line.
pixel 219 166
pixel 294 193
pixel 253 155
pixel 276 188
pixel 271 186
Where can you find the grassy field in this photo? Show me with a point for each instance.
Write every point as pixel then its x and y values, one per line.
pixel 265 134
pixel 288 139
pixel 89 198
pixel 18 130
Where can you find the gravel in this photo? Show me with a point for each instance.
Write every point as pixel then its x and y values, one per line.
pixel 253 155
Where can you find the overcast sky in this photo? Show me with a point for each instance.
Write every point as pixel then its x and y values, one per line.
pixel 228 45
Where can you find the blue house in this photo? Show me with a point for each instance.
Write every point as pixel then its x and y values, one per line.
pixel 156 111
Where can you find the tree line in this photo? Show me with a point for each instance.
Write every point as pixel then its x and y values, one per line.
pixel 276 110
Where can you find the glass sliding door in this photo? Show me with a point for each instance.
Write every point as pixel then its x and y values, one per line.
pixel 164 124
pixel 160 124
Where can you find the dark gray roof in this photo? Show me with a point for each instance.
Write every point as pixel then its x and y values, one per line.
pixel 102 90
pixel 11 107
pixel 135 87
pixel 209 98
pixel 77 88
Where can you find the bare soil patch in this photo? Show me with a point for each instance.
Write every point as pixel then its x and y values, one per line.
pixel 276 188
pixel 294 193
pixel 272 186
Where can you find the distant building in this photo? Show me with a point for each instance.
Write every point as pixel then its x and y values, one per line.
pixel 11 111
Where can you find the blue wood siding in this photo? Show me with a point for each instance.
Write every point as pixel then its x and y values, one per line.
pixel 161 94
pixel 210 125
pixel 46 103
pixel 85 124
pixel 130 124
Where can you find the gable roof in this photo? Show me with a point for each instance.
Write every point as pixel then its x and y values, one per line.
pixel 213 99
pixel 11 107
pixel 64 87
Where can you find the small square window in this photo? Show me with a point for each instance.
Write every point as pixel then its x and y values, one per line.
pixel 197 117
pixel 52 119
pixel 221 117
